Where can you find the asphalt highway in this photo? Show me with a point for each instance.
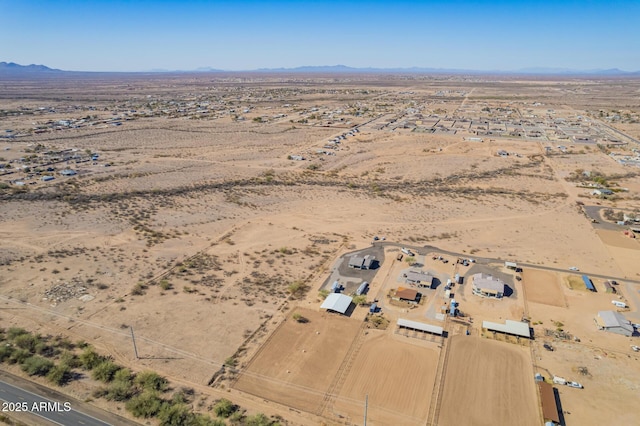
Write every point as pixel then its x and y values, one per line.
pixel 15 400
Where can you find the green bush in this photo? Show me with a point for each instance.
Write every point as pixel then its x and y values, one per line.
pixel 5 352
pixel 36 366
pixel 119 391
pixel 15 332
pixel 224 408
pixel 27 341
pixel 151 381
pixel 89 359
pixel 60 374
pixel 175 414
pixel 258 420
pixel 105 371
pixel 146 405
pixel 18 356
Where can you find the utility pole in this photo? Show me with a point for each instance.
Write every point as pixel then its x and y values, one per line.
pixel 366 403
pixel 133 338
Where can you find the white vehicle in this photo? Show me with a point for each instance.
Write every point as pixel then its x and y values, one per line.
pixel 559 380
pixel 635 348
pixel 619 304
pixel 406 251
pixel 575 385
pixel 574 268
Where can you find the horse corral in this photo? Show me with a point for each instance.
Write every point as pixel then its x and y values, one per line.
pixel 297 366
pixel 397 376
pixel 488 383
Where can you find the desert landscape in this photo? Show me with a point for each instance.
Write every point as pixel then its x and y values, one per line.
pixel 193 225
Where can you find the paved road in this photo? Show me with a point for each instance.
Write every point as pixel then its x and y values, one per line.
pixel 486 260
pixel 16 399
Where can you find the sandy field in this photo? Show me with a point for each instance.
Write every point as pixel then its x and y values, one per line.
pixel 300 361
pixel 398 376
pixel 488 383
pixel 542 287
pixel 201 227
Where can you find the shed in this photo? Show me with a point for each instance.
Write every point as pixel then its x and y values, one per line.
pixel 548 401
pixel 420 326
pixel 608 287
pixel 587 283
pixel 511 265
pixel 361 262
pixel 614 322
pixel 515 328
pixel 337 302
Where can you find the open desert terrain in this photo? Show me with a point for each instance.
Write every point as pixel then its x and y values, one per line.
pixel 201 216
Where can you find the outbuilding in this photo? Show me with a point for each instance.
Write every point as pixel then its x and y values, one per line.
pixel 420 326
pixel 361 262
pixel 485 285
pixel 407 295
pixel 548 401
pixel 514 328
pixel 419 278
pixel 614 322
pixel 336 302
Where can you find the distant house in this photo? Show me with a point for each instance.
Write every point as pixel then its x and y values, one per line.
pixel 419 278
pixel 485 285
pixel 47 178
pixel 361 262
pixel 614 322
pixel 601 192
pixel 407 295
pixel 68 172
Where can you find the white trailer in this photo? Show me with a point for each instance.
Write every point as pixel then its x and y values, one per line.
pixel 559 380
pixel 619 304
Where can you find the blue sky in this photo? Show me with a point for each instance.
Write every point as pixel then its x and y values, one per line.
pixel 481 35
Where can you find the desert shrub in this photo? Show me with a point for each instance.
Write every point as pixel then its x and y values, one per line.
pixel 258 420
pixel 60 374
pixel 146 405
pixel 5 352
pixel 224 408
pixel 18 356
pixel 70 359
pixel 119 391
pixel 36 366
pixel 105 371
pixel 360 300
pixel 15 332
pixel 27 341
pixel 151 381
pixel 89 359
pixel 175 414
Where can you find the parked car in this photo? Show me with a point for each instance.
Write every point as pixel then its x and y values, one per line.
pixel 548 347
pixel 575 385
pixel 574 268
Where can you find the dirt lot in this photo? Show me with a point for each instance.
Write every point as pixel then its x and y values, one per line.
pixel 202 220
pixel 542 287
pixel 397 375
pixel 299 362
pixel 488 383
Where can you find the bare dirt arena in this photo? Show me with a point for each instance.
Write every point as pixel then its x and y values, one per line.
pixel 398 377
pixel 298 363
pixel 488 383
pixel 543 287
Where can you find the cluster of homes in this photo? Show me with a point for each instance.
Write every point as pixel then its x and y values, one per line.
pixel 45 164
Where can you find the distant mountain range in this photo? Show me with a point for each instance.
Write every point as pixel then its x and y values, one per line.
pixel 13 69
